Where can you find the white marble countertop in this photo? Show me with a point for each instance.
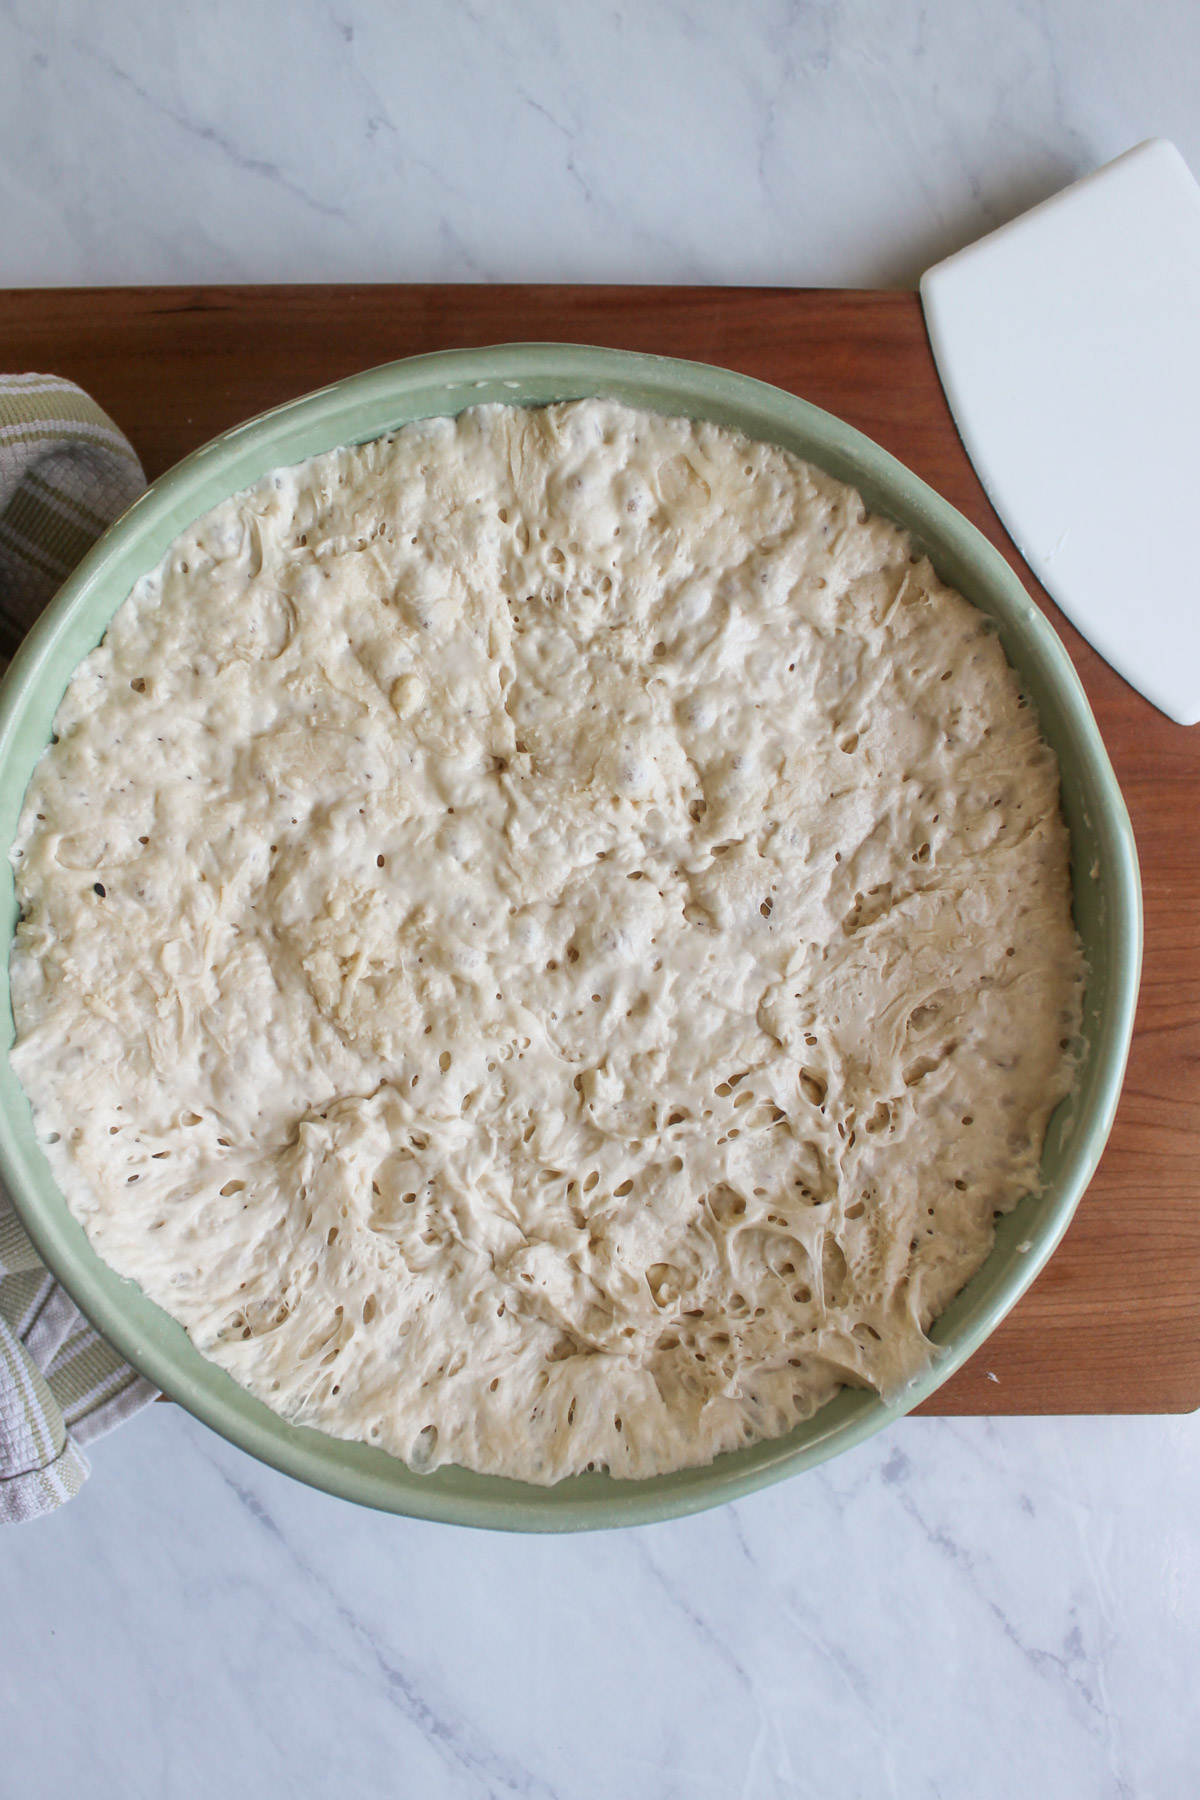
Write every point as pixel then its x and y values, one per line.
pixel 956 1608
pixel 843 143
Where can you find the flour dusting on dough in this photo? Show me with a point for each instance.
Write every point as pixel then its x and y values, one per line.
pixel 546 942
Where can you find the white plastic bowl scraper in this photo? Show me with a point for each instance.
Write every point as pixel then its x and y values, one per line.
pixel 1068 343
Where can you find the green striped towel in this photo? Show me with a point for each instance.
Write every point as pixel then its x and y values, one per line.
pixel 65 473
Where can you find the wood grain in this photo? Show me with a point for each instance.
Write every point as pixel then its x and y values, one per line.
pixel 1113 1324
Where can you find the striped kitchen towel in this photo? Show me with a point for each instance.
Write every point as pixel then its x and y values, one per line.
pixel 65 473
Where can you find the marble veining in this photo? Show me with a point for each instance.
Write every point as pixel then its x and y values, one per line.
pixel 847 143
pixel 960 1607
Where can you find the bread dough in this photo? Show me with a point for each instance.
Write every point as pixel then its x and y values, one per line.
pixel 546 942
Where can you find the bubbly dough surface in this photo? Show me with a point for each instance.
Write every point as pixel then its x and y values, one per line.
pixel 546 942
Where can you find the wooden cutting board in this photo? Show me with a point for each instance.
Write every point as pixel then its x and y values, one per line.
pixel 1113 1324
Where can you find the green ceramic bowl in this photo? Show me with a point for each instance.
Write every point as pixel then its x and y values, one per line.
pixel 1105 874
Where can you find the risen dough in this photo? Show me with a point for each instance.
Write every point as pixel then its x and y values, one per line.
pixel 547 941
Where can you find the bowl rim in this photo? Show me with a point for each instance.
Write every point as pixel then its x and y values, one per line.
pixel 533 374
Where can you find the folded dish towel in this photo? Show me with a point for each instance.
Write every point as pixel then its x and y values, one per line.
pixel 65 473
